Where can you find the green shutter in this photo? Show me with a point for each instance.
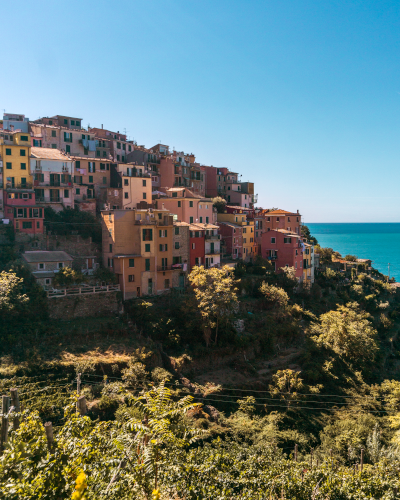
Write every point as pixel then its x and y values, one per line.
pixel 30 213
pixel 166 233
pixel 159 232
pixel 25 213
pixel 151 235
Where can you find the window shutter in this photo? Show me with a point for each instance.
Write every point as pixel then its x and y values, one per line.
pixel 30 212
pixel 65 136
pixel 41 177
pixel 165 233
pixel 160 232
pixel 94 167
pixel 144 234
pixel 166 248
pixel 25 213
pixel 160 247
pixel 151 235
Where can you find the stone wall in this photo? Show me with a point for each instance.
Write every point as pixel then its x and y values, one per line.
pixel 81 306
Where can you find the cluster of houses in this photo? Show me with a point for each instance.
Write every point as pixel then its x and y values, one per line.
pixel 156 205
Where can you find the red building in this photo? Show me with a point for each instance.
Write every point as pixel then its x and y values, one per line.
pixel 267 220
pixel 21 209
pixel 284 249
pixel 231 239
pixel 197 246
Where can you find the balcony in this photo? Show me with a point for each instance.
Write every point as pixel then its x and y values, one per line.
pixel 272 257
pixel 138 173
pixel 48 199
pixel 213 237
pixel 174 267
pixel 216 251
pixel 25 185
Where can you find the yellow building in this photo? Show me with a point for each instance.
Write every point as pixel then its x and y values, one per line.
pixel 138 248
pixel 308 274
pixel 15 151
pixel 239 217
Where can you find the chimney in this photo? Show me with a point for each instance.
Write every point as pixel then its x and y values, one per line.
pixel 298 211
pixel 163 205
pixel 102 126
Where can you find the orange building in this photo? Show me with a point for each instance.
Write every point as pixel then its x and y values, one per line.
pixel 138 247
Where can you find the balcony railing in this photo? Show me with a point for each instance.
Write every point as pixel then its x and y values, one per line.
pixel 48 199
pixel 27 185
pixel 213 236
pixel 174 267
pixel 139 173
pixel 215 251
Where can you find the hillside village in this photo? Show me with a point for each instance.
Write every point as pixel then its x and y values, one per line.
pixel 156 208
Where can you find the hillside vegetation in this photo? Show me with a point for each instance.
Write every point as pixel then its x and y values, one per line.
pixel 246 386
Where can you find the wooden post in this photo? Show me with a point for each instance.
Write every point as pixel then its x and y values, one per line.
pixel 362 459
pixel 78 383
pixel 48 427
pixel 4 421
pixel 295 452
pixel 81 405
pixel 17 407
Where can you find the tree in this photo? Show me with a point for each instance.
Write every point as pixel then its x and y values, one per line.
pixel 348 331
pixel 285 385
pixel 216 297
pixel 351 258
pixel 305 231
pixel 11 296
pixel 219 203
pixel 274 295
pixel 103 274
pixel 67 277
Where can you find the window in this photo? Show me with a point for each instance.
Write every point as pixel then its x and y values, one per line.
pixel 48 281
pixel 102 166
pixel 104 180
pixel 163 248
pixel 9 165
pixel 90 179
pixel 191 204
pixel 126 182
pixel 78 123
pixel 110 232
pixel 288 219
pixel 65 121
pixel 207 220
pixel 273 240
pixel 147 235
pixel 37 143
pixel 67 149
pixel 147 247
pixel 166 283
pixel 131 262
pixel 200 207
pixel 41 265
pixel 201 220
pixel 117 157
pixel 176 229
pixel 297 253
pixel 118 145
pixel 144 182
pixel 131 278
pixel 66 193
pixel 147 264
pixel 244 240
pixel 110 247
pixel 163 233
pixel 287 240
pixel 144 196
pixel 60 265
pixel 92 166
pixel 193 246
pixel 54 146
pixel 23 166
pixel 72 122
pixel 77 191
pixel 244 230
pixel 53 133
pixel 174 195
pixel 179 204
pixel 176 245
pixel 110 263
pixel 191 220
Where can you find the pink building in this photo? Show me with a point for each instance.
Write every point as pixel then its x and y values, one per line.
pixel 267 220
pixel 187 206
pixel 231 239
pixel 284 249
pixel 21 209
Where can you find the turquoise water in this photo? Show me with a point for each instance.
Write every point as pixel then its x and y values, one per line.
pixel 379 242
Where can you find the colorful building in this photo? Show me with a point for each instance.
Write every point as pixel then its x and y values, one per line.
pixel 239 217
pixel 204 245
pixel 21 209
pixel 138 247
pixel 308 262
pixel 112 143
pixel 45 264
pixel 231 240
pixel 284 249
pixel 15 151
pixel 187 206
pixel 52 173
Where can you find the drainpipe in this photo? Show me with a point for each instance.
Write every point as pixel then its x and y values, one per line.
pixel 123 276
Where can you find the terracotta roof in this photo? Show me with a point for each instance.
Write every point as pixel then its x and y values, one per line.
pixel 281 212
pixel 202 225
pixel 239 208
pixel 231 224
pixel 46 256
pixel 49 154
pixel 179 223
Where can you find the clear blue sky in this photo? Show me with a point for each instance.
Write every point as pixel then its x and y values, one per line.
pixel 301 97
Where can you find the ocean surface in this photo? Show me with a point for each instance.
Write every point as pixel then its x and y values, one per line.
pixel 379 242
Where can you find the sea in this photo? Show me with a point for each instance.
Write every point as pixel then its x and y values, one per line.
pixel 379 242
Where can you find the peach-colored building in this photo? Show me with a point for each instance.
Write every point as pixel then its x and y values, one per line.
pixel 187 206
